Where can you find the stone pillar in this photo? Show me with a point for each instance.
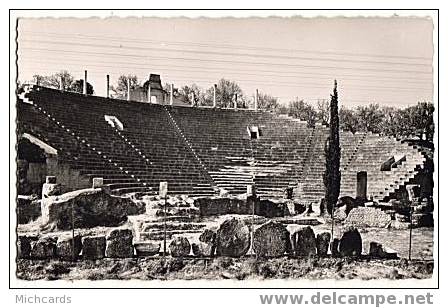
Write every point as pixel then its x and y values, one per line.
pixel 84 86
pixel 61 83
pixel 235 104
pixel 256 99
pixel 361 185
pixel 50 188
pixel 192 99
pixel 97 182
pixel 107 85
pixel 37 80
pixel 171 94
pixel 129 89
pixel 411 192
pixel 149 91
pixel 163 189
pixel 214 96
pixel 50 179
pixel 250 190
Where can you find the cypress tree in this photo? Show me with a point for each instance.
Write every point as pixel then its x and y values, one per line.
pixel 332 175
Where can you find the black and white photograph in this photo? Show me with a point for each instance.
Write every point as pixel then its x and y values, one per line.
pixel 215 150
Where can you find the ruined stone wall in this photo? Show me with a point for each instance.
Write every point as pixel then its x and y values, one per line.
pixel 70 179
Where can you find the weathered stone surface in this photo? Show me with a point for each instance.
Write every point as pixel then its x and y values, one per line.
pixel 334 248
pixel 91 208
pixel 369 217
pixel 271 240
pixel 24 245
pixel 223 205
pixel 271 208
pixel 180 247
pixel 67 247
pixel 43 248
pixel 144 249
pixel 233 238
pixel 322 243
pixel 119 244
pixel 93 247
pixel 378 251
pixel 242 205
pixel 350 243
pixel 28 209
pixel 304 242
pixel 206 245
pixel 340 213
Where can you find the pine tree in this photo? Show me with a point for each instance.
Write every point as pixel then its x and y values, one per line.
pixel 332 176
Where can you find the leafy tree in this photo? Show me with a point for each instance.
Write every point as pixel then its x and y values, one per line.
pixel 54 80
pixel 186 94
pixel 303 111
pixel 121 89
pixel 422 120
pixel 267 102
pixel 370 118
pixel 348 120
pixel 323 111
pixel 225 93
pixel 78 86
pixel 332 175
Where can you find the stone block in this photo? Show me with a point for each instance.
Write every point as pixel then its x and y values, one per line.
pixel 233 238
pixel 119 244
pixel 24 245
pixel 43 248
pixel 90 208
pixel 304 242
pixel 206 245
pixel 350 244
pixel 271 240
pixel 68 247
pixel 28 209
pixel 368 217
pixel 145 249
pixel 322 243
pixel 93 247
pixel 180 247
pixel 97 182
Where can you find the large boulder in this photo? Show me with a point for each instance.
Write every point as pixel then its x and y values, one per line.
pixel 322 243
pixel 119 244
pixel 93 247
pixel 28 209
pixel 271 240
pixel 43 248
pixel 206 245
pixel 180 247
pixel 304 242
pixel 368 217
pixel 233 238
pixel 90 208
pixel 350 244
pixel 68 248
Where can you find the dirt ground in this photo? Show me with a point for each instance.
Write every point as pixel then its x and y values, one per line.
pixel 224 268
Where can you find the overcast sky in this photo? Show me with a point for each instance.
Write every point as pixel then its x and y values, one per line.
pixel 382 60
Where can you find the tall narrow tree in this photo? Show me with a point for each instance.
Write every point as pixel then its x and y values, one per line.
pixel 332 175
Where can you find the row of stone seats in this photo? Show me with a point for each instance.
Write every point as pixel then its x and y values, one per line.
pixel 199 147
pixel 86 119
